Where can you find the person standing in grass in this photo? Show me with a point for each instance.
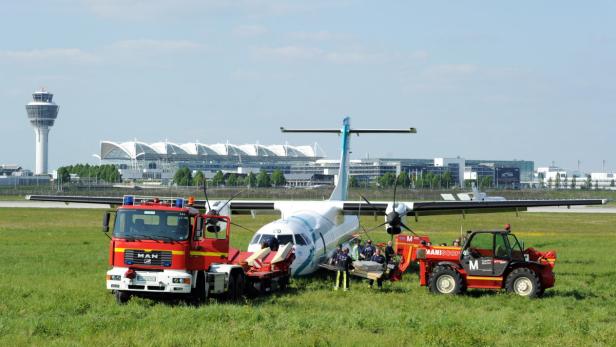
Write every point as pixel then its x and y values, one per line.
pixel 378 258
pixel 389 252
pixel 334 259
pixel 356 250
pixel 342 275
pixel 368 251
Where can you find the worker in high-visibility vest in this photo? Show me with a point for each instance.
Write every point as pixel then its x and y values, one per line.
pixel 356 249
pixel 343 266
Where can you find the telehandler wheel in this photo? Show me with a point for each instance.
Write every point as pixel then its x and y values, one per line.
pixel 523 282
pixel 122 297
pixel 445 280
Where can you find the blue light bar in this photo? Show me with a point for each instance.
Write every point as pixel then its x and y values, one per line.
pixel 128 200
pixel 179 202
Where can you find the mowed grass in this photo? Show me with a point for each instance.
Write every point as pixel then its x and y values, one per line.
pixel 54 262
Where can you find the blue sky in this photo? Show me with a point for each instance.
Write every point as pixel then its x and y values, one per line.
pixel 479 79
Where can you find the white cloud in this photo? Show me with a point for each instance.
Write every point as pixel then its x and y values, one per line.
pixel 73 55
pixel 249 30
pixel 452 70
pixel 339 56
pixel 165 45
pixel 156 9
pixel 290 52
pixel 317 36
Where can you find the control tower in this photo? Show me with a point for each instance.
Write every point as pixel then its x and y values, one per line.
pixel 42 113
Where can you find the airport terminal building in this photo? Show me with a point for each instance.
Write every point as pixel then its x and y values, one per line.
pixel 159 161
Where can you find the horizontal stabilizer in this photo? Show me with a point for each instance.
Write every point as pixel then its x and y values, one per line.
pixel 352 131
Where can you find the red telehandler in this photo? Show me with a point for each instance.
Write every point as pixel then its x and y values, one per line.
pixel 487 260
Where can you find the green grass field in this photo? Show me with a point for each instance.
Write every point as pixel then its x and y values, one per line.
pixel 54 262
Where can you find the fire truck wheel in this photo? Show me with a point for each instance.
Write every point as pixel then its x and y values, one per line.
pixel 523 282
pixel 122 297
pixel 232 288
pixel 197 294
pixel 445 280
pixel 283 283
pixel 240 285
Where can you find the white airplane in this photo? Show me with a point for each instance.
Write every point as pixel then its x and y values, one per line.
pixel 317 227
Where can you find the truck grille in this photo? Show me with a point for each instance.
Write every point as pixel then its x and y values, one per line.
pixel 141 257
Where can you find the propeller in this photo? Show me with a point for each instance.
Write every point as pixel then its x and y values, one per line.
pixel 393 219
pixel 212 222
pixel 359 219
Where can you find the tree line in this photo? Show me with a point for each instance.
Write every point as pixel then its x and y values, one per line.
pixel 558 183
pixel 107 173
pixel 184 177
pixel 410 180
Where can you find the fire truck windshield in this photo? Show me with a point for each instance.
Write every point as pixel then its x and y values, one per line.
pixel 151 224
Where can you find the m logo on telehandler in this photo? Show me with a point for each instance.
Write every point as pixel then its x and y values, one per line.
pixel 473 265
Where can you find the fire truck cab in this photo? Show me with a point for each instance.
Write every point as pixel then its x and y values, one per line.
pixel 169 247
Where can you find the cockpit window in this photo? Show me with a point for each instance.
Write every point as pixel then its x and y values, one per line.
pixel 299 240
pixel 255 239
pixel 284 239
pixel 265 238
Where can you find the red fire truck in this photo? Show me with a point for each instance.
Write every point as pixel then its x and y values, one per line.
pixel 166 246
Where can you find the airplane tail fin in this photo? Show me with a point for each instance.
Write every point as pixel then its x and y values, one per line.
pixel 340 192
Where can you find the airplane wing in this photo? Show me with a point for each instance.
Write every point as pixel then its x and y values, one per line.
pixel 426 208
pixel 237 206
pixel 107 200
pixel 420 208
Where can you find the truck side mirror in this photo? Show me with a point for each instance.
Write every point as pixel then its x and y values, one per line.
pixel 198 228
pixel 106 218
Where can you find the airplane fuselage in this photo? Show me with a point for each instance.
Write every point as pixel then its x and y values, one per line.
pixel 316 228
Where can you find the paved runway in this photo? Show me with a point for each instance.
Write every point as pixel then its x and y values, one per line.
pixel 48 204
